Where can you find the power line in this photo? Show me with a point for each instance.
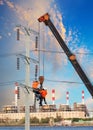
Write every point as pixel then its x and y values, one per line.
pixel 10 54
pixel 68 82
pixel 12 82
pixel 46 51
pixel 48 80
pixel 60 81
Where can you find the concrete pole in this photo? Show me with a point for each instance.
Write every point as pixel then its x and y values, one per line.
pixel 27 81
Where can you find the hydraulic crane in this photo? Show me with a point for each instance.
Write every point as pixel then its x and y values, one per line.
pixel 72 58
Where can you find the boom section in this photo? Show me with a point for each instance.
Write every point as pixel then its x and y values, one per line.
pixel 72 58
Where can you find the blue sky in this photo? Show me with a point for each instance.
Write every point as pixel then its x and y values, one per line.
pixel 78 14
pixel 73 19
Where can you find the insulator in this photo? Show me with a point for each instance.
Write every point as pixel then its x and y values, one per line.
pixel 36 68
pixel 18 94
pixel 36 44
pixel 18 34
pixel 36 71
pixel 18 64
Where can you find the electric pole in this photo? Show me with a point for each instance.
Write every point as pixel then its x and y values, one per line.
pixel 28 32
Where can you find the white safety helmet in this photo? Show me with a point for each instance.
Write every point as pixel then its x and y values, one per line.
pixel 45 88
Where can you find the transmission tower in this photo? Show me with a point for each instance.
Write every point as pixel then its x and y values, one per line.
pixel 27 58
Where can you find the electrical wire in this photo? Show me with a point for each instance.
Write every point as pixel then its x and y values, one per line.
pixel 46 51
pixel 48 80
pixel 67 82
pixel 12 82
pixel 11 54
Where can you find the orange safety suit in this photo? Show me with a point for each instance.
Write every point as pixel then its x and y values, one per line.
pixel 35 84
pixel 43 93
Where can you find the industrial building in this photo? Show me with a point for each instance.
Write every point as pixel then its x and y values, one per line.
pixel 10 109
pixel 39 115
pixel 17 111
pixel 80 107
pixel 64 107
pixel 48 108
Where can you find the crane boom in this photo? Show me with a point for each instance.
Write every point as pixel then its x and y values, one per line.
pixel 72 58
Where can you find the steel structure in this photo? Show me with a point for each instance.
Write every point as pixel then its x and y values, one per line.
pixel 72 58
pixel 27 58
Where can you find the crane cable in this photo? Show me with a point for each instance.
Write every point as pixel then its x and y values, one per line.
pixel 43 49
pixel 39 47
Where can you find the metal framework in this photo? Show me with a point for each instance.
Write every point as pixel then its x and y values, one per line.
pixel 27 58
pixel 72 58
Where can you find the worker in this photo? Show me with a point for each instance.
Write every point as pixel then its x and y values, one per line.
pixel 40 93
pixel 43 93
pixel 36 89
pixel 35 84
pixel 37 94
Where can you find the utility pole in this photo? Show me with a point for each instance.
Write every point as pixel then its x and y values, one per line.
pixel 27 82
pixel 28 32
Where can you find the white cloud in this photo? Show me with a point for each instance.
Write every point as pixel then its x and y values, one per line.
pixel 59 93
pixel 1 2
pixel 9 34
pixel 89 103
pixel 56 17
pixel 10 4
pixel 28 14
pixel 0 37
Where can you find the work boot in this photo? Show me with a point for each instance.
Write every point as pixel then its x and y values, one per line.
pixel 40 104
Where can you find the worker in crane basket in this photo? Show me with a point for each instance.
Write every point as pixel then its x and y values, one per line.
pixel 43 93
pixel 40 93
pixel 36 89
